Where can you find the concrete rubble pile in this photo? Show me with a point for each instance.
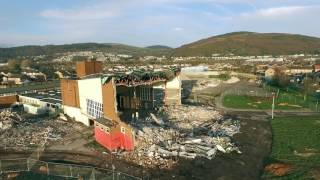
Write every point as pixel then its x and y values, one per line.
pixel 34 134
pixel 9 119
pixel 185 131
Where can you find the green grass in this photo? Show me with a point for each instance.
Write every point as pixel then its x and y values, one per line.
pixel 222 77
pixel 260 103
pixel 246 102
pixel 296 143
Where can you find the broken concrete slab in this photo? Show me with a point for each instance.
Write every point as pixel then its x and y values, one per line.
pixel 185 132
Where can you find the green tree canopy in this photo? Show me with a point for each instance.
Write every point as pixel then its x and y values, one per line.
pixel 14 66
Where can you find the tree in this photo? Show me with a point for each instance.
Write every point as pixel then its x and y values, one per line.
pixel 14 66
pixel 25 64
pixel 280 79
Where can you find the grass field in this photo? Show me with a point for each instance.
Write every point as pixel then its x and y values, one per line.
pixel 262 103
pixel 222 77
pixel 296 144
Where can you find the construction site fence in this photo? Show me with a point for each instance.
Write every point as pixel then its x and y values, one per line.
pixel 68 171
pixel 307 103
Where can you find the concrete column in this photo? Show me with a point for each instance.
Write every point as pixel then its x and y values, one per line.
pixel 173 91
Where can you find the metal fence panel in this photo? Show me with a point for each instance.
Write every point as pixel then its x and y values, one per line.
pixel 13 165
pixel 69 171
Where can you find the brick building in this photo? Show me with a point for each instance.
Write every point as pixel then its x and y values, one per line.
pixel 108 102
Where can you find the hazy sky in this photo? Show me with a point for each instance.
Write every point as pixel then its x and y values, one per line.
pixel 149 22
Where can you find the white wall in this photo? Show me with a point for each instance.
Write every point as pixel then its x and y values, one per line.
pixel 33 105
pixel 161 86
pixel 175 83
pixel 89 89
pixel 173 91
pixel 36 103
pixel 76 113
pixel 33 109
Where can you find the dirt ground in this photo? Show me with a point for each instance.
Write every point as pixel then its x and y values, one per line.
pixel 255 144
pixel 254 141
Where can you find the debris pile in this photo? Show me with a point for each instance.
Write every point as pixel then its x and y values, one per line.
pixel 184 131
pixel 34 133
pixel 9 119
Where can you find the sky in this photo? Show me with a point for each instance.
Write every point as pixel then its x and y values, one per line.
pixel 149 22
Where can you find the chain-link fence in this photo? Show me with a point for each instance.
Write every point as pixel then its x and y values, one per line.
pixel 51 169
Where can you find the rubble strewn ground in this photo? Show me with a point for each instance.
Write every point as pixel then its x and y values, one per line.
pixel 28 132
pixel 182 132
pixel 9 119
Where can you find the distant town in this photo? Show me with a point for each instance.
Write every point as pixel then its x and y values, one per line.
pixel 133 116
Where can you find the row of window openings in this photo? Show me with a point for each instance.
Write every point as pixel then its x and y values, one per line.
pixel 28 101
pixel 95 113
pixel 145 93
pixel 107 130
pixel 94 109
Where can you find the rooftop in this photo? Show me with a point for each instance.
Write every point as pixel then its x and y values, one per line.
pixel 49 96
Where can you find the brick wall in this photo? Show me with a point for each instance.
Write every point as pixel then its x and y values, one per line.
pixel 6 101
pixel 70 93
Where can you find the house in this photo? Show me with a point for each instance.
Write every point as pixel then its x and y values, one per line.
pixel 35 76
pixel 295 71
pixel 109 102
pixel 316 68
pixel 270 73
pixel 64 74
pixel 12 79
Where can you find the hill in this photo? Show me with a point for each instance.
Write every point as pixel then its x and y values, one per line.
pixel 13 52
pixel 250 43
pixel 159 47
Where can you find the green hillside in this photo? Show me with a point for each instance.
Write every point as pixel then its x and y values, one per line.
pixel 7 53
pixel 249 43
pixel 159 47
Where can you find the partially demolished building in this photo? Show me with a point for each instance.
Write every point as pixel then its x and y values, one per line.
pixel 108 102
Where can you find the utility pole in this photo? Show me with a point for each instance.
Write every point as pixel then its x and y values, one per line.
pixel 272 108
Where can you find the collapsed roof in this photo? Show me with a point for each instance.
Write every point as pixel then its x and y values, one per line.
pixel 139 77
